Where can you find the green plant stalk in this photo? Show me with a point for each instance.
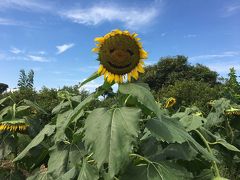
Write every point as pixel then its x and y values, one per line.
pixel 230 131
pixel 214 164
pixel 16 148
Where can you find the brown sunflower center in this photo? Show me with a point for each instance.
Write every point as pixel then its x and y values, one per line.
pixel 119 54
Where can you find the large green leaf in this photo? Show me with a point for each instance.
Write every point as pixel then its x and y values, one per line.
pixel 48 130
pixel 75 113
pixel 58 161
pixel 162 171
pixel 88 172
pixel 61 124
pixel 110 135
pixel 63 106
pixel 170 130
pixel 192 122
pixel 176 151
pixel 142 93
pixel 156 171
pixel 71 174
pixel 35 106
pixel 220 140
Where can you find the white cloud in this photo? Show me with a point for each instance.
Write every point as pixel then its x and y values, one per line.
pixel 64 47
pixel 213 56
pixel 132 18
pixel 224 66
pixel 233 8
pixel 16 50
pixel 37 58
pixel 8 22
pixel 23 5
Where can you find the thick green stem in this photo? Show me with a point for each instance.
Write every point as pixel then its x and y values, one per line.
pixel 214 164
pixel 16 148
pixel 230 131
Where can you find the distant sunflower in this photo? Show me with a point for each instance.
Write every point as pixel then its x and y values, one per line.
pixel 120 53
pixel 13 126
pixel 170 102
pixel 233 111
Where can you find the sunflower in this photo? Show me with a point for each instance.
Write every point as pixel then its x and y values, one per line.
pixel 170 102
pixel 232 111
pixel 120 54
pixel 13 126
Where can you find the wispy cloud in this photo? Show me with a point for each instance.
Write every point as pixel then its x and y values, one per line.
pixel 16 50
pixel 91 86
pixel 9 22
pixel 32 5
pixel 221 62
pixel 214 56
pixel 62 48
pixel 223 67
pixel 37 58
pixel 231 10
pixel 132 18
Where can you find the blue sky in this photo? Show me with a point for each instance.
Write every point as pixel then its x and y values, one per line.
pixel 55 38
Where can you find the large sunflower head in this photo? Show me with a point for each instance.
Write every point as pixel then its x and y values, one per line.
pixel 120 53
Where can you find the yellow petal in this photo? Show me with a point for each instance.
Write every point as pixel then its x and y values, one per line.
pixel 116 79
pixel 96 50
pixel 134 35
pixel 129 77
pixel 120 79
pixel 134 74
pixel 118 31
pixel 99 39
pixel 100 69
pixel 110 77
pixel 141 62
pixel 106 74
pixel 140 68
pixel 143 54
pixel 103 71
pixel 139 44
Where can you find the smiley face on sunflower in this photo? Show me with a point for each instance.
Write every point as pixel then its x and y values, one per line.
pixel 120 54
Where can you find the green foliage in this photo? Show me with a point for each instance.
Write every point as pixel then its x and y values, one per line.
pixel 3 87
pixel 232 87
pixel 26 81
pixel 131 137
pixel 190 92
pixel 172 69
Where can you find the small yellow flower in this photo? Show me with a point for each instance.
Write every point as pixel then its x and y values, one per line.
pixel 170 102
pixel 232 111
pixel 120 54
pixel 13 127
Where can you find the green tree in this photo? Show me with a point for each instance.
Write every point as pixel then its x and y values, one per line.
pixel 3 87
pixel 171 69
pixel 232 87
pixel 190 92
pixel 26 81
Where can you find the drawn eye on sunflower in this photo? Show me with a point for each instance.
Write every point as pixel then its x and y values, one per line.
pixel 120 53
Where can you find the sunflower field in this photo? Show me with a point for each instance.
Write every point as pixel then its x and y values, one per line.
pixel 137 137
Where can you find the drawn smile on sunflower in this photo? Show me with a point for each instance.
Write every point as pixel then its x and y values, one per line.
pixel 120 53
